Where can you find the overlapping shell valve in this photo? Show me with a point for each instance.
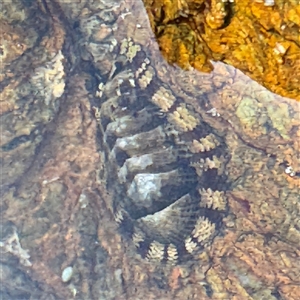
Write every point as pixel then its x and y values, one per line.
pixel 165 165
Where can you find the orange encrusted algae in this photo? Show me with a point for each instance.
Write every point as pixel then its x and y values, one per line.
pixel 260 38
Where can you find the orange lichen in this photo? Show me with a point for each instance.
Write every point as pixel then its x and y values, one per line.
pixel 261 40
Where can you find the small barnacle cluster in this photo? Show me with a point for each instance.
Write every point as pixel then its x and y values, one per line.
pixel 144 73
pixel 183 119
pixel 213 112
pixel 145 79
pixel 290 171
pixel 129 49
pixel 143 67
pixel 99 92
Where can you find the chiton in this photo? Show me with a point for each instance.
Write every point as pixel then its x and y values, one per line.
pixel 164 164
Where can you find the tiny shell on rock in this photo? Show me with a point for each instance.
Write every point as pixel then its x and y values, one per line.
pixel 67 274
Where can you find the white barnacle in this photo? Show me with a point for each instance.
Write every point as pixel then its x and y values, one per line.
pixel 99 94
pixel 125 14
pixel 114 42
pixel 111 48
pixel 290 171
pixel 132 82
pixel 213 112
pixel 279 49
pixel 269 3
pixel 283 27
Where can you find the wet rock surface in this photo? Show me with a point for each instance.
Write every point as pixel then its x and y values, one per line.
pixel 58 203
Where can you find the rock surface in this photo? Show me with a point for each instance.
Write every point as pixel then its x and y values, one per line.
pixel 57 198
